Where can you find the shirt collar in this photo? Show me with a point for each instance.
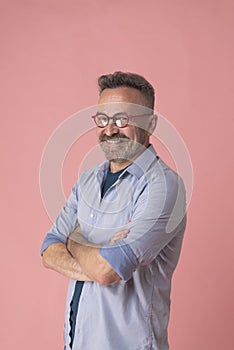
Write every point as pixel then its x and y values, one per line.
pixel 143 162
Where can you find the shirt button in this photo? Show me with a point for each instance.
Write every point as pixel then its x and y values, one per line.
pixel 91 215
pixel 67 209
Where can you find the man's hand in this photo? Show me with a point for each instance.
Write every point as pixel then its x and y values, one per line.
pixel 119 235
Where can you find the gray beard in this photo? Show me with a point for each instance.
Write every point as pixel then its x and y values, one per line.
pixel 125 151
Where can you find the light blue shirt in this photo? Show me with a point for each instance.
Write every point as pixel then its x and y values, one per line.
pixel 131 314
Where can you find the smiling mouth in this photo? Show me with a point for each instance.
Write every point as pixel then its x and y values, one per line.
pixel 113 141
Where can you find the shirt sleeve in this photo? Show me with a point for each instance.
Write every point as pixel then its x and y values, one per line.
pixel 158 216
pixel 65 222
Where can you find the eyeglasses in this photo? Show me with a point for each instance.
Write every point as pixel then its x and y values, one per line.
pixel 121 119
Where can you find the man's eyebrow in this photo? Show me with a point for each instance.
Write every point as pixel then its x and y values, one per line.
pixel 101 113
pixel 116 113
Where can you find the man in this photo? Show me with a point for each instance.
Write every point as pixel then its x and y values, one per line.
pixel 119 236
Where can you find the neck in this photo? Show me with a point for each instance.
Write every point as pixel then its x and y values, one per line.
pixel 119 164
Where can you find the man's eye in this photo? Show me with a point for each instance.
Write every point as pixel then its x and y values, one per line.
pixel 121 120
pixel 102 120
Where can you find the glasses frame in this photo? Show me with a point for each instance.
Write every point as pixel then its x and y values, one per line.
pixel 129 117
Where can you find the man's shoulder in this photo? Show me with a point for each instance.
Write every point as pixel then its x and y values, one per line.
pixel 161 174
pixel 164 169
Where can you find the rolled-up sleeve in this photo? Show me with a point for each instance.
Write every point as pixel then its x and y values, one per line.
pixel 158 216
pixel 121 258
pixel 65 222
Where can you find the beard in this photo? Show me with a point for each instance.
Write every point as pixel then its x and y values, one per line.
pixel 120 148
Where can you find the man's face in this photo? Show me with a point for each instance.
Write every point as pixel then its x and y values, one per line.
pixel 123 144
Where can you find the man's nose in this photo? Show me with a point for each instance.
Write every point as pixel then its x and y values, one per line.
pixel 111 129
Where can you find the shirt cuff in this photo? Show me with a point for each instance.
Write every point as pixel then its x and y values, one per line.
pixel 50 239
pixel 121 258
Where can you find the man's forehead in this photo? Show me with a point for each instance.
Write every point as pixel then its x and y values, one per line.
pixel 117 107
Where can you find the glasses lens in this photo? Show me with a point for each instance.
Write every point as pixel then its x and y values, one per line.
pixel 101 120
pixel 121 120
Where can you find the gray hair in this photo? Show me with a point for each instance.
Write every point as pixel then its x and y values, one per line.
pixel 131 80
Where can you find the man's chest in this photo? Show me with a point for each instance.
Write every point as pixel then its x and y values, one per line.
pixel 100 218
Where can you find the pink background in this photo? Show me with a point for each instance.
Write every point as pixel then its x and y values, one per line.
pixel 52 52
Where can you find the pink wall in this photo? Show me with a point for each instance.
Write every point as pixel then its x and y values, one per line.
pixel 52 51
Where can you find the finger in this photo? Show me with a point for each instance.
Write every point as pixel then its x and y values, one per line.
pixel 122 232
pixel 119 235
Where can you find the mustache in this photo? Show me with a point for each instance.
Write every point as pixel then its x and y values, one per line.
pixel 117 137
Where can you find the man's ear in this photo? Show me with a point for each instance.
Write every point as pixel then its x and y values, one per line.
pixel 152 123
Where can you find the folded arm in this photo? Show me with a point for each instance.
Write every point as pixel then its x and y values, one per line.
pixel 58 258
pixel 89 259
pixel 80 260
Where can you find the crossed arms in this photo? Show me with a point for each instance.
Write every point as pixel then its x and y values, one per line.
pixel 80 260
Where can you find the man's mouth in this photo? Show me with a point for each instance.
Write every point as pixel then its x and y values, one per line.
pixel 113 140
